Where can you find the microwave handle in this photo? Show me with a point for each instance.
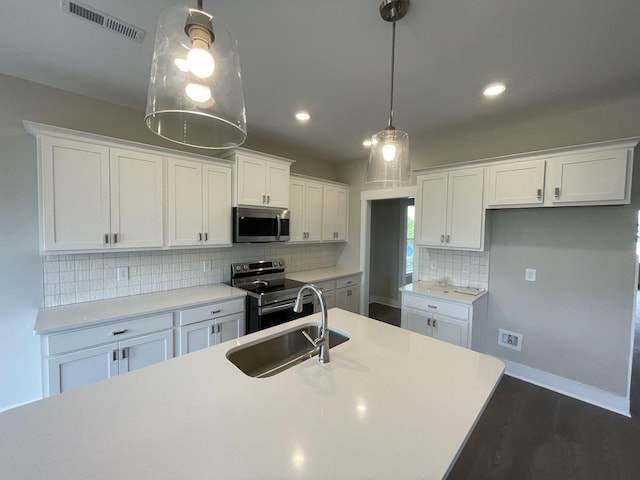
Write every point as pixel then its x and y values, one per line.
pixel 278 222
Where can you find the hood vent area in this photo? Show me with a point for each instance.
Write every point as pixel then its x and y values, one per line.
pixel 104 20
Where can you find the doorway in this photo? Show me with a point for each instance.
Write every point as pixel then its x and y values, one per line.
pixel 383 245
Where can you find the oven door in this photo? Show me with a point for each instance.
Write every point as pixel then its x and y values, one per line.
pixel 259 318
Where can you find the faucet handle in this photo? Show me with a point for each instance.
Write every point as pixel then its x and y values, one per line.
pixel 317 342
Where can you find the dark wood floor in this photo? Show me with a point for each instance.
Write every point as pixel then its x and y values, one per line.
pixel 530 433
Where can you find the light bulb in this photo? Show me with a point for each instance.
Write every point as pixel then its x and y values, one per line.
pixel 200 62
pixel 198 93
pixel 389 152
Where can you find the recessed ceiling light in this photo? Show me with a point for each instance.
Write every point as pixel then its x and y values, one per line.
pixel 494 89
pixel 367 142
pixel 303 116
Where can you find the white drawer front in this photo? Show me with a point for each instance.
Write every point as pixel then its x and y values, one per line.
pixel 327 286
pixel 112 332
pixel 348 281
pixel 210 311
pixel 430 304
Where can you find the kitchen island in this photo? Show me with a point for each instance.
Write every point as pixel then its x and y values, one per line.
pixel 390 404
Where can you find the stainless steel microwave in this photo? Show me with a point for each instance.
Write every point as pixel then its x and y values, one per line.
pixel 260 224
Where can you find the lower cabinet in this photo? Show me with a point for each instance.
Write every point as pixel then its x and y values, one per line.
pixel 449 321
pixel 209 325
pixel 78 358
pixel 342 293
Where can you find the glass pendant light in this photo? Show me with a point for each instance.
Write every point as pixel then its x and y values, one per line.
pixel 195 89
pixel 389 158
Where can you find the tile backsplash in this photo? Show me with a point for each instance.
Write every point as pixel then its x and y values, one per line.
pixel 436 264
pixel 84 277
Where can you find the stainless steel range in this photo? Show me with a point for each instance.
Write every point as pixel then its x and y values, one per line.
pixel 270 296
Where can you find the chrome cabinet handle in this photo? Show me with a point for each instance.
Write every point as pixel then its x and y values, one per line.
pixel 114 355
pixel 448 238
pixel 206 236
pixel 199 236
pixel 115 238
pixel 441 238
pixel 213 312
pixel 119 332
pixel 432 306
pixel 124 353
pixel 268 198
pixel 434 323
pixel 264 199
pixel 539 195
pixel 557 192
pixel 215 328
pixel 106 238
pixel 428 322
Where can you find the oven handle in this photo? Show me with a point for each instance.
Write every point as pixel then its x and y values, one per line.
pixel 278 221
pixel 283 306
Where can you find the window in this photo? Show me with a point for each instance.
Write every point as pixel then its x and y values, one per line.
pixel 410 219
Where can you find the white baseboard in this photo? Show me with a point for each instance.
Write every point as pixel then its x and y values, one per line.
pixel 390 302
pixel 579 391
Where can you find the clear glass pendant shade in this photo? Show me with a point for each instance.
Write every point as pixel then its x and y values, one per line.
pixel 195 88
pixel 389 159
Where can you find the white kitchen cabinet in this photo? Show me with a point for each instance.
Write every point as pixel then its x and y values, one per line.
pixel 198 203
pixel 348 293
pixel 305 210
pixel 450 209
pixel 208 325
pixel 449 320
pixel 261 180
pixel 328 289
pixel 335 213
pixel 596 177
pixel 80 357
pixel 94 197
pixel 516 184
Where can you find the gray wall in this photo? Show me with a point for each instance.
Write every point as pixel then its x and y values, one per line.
pixel 386 232
pixel 576 317
pixel 21 282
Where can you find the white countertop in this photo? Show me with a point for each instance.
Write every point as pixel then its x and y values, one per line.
pixel 390 404
pixel 445 292
pixel 54 319
pixel 322 274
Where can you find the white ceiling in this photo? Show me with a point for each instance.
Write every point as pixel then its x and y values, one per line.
pixel 332 57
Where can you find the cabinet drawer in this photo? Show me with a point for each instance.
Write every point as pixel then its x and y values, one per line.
pixel 112 332
pixel 210 311
pixel 430 304
pixel 328 286
pixel 348 281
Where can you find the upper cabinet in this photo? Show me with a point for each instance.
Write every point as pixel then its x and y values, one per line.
pixel 94 197
pixel 450 209
pixel 198 203
pixel 516 184
pixel 334 213
pixel 306 211
pixel 261 180
pixel 589 175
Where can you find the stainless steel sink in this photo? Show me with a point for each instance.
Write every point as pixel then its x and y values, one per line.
pixel 276 354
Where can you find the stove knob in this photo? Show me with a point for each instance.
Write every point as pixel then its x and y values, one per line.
pixel 238 268
pixel 245 267
pixel 282 263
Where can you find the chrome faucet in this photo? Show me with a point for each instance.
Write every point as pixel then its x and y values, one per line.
pixel 323 340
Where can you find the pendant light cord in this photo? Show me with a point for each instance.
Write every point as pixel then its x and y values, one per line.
pixel 393 58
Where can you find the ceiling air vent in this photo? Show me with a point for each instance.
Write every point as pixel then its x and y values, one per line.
pixel 103 20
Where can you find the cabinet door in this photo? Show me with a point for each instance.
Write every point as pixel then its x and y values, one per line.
pixel 450 330
pixel 277 184
pixel 137 199
pixel 313 211
pixel 73 370
pixel 251 181
pixel 329 300
pixel 297 211
pixel 216 205
pixel 465 210
pixel 197 336
pixel 144 351
pixel 432 209
pixel 334 213
pixel 230 327
pixel 342 203
pixel 348 298
pixel 75 195
pixel 588 177
pixel 512 184
pixel 416 321
pixel 184 179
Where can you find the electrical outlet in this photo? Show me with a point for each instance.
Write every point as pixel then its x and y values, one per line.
pixel 122 273
pixel 510 339
pixel 434 265
pixel 530 274
pixel 465 268
pixel 206 266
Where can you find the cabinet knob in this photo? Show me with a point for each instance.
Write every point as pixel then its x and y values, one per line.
pixel 539 194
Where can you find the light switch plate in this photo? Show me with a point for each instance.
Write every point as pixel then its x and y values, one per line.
pixel 122 273
pixel 530 274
